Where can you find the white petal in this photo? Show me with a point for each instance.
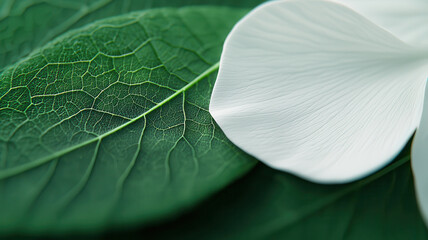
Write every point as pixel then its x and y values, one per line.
pixel 420 161
pixel 406 19
pixel 313 88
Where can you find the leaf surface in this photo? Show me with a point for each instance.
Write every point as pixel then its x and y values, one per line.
pixel 26 25
pixel 268 204
pixel 108 125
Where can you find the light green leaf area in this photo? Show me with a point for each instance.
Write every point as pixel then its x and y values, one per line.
pixel 268 204
pixel 28 24
pixel 108 125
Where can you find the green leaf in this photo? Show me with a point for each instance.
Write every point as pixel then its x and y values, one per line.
pixel 268 204
pixel 26 25
pixel 108 125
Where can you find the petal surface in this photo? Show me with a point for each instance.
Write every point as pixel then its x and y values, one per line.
pixel 315 89
pixel 419 160
pixel 406 19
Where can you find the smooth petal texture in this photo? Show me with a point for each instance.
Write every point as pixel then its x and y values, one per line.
pixel 405 19
pixel 313 88
pixel 420 161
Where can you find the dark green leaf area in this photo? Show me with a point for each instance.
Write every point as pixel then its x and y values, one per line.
pixel 108 125
pixel 267 204
pixel 26 25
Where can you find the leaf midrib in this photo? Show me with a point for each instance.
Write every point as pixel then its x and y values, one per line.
pixel 27 166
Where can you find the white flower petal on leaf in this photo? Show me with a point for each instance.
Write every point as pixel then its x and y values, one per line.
pixel 419 161
pixel 315 89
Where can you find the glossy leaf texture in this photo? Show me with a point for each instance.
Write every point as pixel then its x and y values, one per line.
pixel 268 204
pixel 26 25
pixel 108 125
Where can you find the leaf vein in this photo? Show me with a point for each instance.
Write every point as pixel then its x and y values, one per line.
pixel 25 167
